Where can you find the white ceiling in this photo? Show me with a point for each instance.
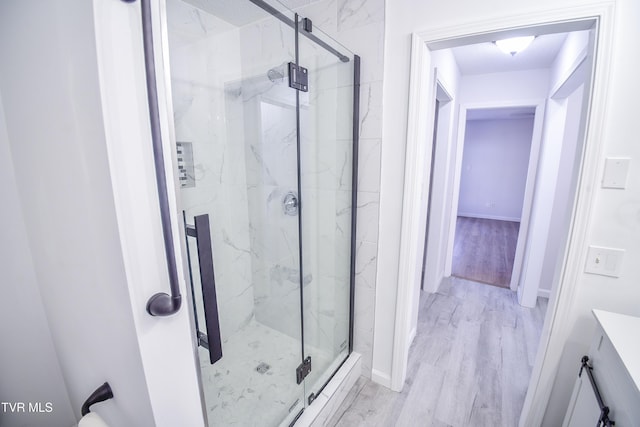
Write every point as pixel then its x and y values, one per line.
pixel 487 58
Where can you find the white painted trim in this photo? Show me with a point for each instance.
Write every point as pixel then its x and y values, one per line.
pixel 484 216
pixel 457 174
pixel 443 93
pixel 529 191
pixel 551 345
pixel 435 257
pixel 411 247
pixel 544 293
pixel 381 378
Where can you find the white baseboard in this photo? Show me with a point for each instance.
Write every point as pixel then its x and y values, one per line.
pixel 544 293
pixel 328 401
pixel 381 378
pixel 483 216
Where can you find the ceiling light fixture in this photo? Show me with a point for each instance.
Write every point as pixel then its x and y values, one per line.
pixel 514 45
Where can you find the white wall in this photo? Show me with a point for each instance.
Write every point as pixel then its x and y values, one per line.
pixel 558 168
pixel 614 215
pixel 504 87
pixel 553 199
pixel 548 174
pixel 29 365
pixel 564 188
pixel 494 168
pixel 49 85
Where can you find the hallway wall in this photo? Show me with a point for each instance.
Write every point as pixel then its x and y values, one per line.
pixel 494 168
pixel 553 200
pixel 563 195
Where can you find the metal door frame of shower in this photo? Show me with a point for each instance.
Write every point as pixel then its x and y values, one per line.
pixel 164 97
pixel 354 180
pixel 354 199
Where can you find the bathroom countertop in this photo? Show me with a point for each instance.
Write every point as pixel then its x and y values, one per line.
pixel 623 332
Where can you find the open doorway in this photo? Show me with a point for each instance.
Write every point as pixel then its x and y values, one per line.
pixel 493 178
pixel 535 87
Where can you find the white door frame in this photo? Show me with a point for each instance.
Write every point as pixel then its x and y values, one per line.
pixel 532 169
pixel 551 344
pixel 435 246
pixel 536 254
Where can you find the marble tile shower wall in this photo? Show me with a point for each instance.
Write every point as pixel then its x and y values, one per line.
pixel 270 129
pixel 359 25
pixel 197 42
pixel 271 164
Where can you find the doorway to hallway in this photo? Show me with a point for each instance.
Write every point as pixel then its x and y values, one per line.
pixel 533 87
pixel 496 175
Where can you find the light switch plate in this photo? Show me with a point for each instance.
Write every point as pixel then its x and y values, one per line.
pixel 604 261
pixel 616 170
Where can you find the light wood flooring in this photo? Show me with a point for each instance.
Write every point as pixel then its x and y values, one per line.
pixel 484 250
pixel 469 364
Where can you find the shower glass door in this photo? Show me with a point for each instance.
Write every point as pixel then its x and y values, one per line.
pixel 266 158
pixel 326 160
pixel 236 132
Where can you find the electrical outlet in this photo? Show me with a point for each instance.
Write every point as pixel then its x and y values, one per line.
pixel 604 261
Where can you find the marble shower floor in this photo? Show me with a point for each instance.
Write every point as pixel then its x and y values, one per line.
pixel 236 394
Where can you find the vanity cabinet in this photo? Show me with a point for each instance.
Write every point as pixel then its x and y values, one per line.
pixel 614 357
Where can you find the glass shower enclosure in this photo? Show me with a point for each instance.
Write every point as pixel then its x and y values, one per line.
pixel 263 117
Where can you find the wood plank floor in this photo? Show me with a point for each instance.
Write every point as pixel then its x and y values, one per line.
pixel 484 250
pixel 468 366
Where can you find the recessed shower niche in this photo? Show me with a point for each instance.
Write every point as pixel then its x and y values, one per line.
pixel 267 103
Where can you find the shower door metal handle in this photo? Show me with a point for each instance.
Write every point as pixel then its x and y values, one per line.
pixel 201 232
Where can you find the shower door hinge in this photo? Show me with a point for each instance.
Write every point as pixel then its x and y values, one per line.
pixel 203 340
pixel 307 25
pixel 298 77
pixel 303 370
